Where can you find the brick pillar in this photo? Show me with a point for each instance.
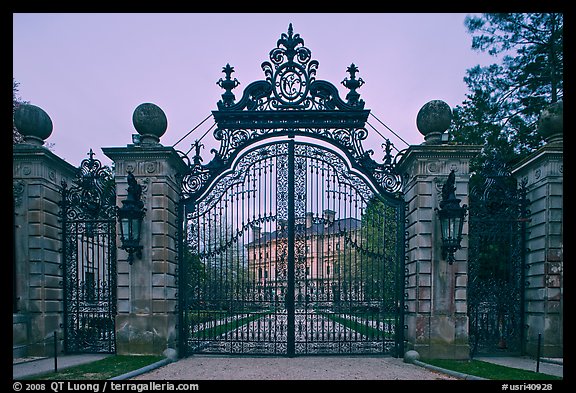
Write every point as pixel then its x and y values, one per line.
pixel 542 173
pixel 436 300
pixel 37 279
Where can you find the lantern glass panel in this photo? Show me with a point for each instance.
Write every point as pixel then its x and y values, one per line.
pixel 125 228
pixel 453 227
pixel 136 229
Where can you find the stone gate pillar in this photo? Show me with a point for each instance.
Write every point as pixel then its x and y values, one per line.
pixel 37 274
pixel 147 317
pixel 542 172
pixel 436 302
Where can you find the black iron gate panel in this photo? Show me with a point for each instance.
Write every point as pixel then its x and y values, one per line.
pixel 291 247
pixel 293 253
pixel 88 213
pixel 346 262
pixel 498 211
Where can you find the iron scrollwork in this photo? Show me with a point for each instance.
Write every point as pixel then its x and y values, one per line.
pixel 498 211
pixel 290 101
pixel 88 214
pixel 280 246
pixel 92 195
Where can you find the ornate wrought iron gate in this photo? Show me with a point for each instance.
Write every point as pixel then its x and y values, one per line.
pixel 88 214
pixel 291 247
pixel 498 211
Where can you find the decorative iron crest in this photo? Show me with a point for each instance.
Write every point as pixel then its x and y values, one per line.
pixel 93 195
pixel 290 102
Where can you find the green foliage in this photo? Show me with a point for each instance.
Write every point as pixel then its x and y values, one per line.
pixel 16 102
pixel 378 268
pixel 217 272
pixel 362 327
pixel 502 109
pixel 213 332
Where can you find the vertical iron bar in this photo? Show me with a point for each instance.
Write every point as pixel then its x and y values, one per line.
pixel 55 352
pixel 65 251
pixel 400 274
pixel 246 260
pixel 14 264
pixel 277 286
pixel 538 353
pixel 182 278
pixel 235 216
pixel 291 245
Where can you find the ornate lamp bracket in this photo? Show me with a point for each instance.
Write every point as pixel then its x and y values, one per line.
pixel 451 216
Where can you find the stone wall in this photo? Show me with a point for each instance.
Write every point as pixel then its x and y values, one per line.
pixel 542 173
pixel 37 176
pixel 147 320
pixel 147 290
pixel 436 308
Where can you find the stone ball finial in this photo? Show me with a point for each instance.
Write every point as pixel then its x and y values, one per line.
pixel 33 123
pixel 551 122
pixel 411 356
pixel 433 120
pixel 150 122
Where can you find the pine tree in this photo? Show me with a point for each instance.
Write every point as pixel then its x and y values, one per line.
pixel 502 109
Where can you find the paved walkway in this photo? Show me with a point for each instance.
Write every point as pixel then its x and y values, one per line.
pixel 23 368
pixel 547 366
pixel 314 367
pixel 308 368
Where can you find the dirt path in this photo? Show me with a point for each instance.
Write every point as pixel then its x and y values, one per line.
pixel 211 367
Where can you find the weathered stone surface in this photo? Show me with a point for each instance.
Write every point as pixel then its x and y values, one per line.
pixel 410 356
pixel 434 118
pixel 33 123
pixel 551 121
pixel 149 119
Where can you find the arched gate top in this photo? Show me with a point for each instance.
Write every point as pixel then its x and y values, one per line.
pixel 290 102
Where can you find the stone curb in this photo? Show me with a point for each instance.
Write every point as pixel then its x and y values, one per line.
pixel 142 370
pixel 449 372
pixel 559 361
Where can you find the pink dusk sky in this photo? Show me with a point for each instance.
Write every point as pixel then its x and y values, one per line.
pixel 89 71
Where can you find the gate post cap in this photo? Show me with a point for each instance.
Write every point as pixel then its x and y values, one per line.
pixel 411 356
pixel 150 121
pixel 33 123
pixel 551 122
pixel 433 120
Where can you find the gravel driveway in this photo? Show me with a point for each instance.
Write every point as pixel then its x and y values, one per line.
pixel 213 367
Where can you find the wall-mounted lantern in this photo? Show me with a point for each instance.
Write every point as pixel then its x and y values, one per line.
pixel 130 216
pixel 451 216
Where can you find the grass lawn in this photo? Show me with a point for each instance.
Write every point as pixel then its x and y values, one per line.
pixel 106 368
pixel 488 370
pixel 218 330
pixel 359 327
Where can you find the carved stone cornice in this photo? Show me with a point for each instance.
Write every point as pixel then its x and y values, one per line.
pixel 145 161
pixel 436 160
pixel 547 161
pixel 33 162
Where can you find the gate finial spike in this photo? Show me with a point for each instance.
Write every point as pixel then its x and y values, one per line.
pixel 227 84
pixel 197 147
